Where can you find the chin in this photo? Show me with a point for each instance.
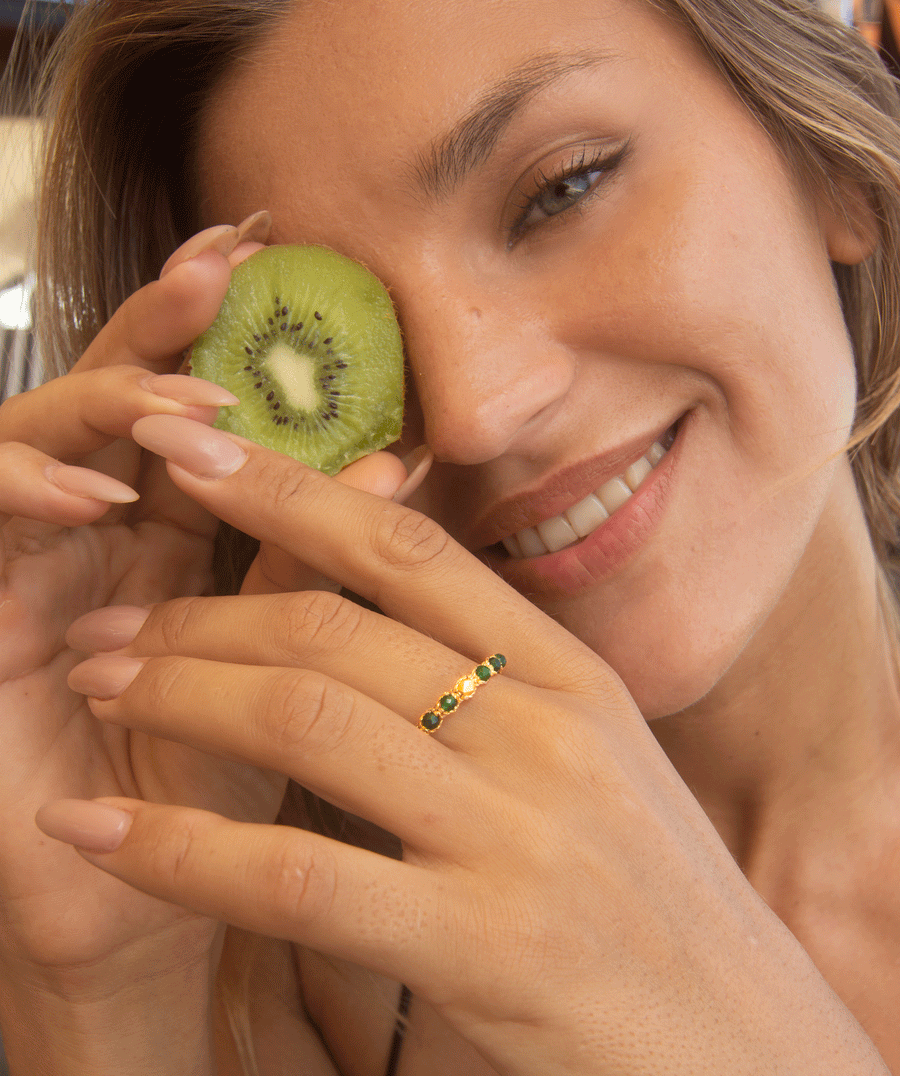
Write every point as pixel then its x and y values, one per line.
pixel 672 650
pixel 663 686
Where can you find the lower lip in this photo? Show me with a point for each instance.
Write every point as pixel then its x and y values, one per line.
pixel 604 553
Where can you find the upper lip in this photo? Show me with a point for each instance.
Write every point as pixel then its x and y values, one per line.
pixel 558 491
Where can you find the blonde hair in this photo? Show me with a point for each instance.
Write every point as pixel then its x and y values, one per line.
pixel 127 80
pixel 834 110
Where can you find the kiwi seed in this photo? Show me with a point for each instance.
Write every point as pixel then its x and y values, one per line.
pixel 308 342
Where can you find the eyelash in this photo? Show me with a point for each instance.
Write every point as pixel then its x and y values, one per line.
pixel 602 164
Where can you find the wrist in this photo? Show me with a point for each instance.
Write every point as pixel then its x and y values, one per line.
pixel 103 1021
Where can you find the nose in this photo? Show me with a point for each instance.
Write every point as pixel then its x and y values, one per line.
pixel 486 376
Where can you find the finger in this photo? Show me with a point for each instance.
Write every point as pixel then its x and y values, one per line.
pixel 275 880
pixel 243 251
pixel 274 570
pixel 163 504
pixel 298 723
pixel 398 559
pixel 155 325
pixel 35 486
pixel 80 413
pixel 380 658
pixel 225 239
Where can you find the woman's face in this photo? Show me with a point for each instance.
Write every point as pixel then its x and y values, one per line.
pixel 591 247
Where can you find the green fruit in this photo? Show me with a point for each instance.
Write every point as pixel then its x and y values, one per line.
pixel 308 342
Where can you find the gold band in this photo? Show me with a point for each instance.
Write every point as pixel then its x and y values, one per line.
pixel 463 689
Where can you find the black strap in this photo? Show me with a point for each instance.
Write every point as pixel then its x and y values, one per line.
pixel 399 1032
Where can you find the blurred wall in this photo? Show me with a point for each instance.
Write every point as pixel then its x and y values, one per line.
pixel 17 142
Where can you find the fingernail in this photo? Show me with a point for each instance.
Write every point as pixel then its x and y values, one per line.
pixel 418 464
pixel 95 827
pixel 222 238
pixel 255 228
pixel 104 678
pixel 83 482
pixel 191 391
pixel 106 629
pixel 205 452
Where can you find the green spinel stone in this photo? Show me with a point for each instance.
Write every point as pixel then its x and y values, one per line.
pixel 448 703
pixel 484 672
pixel 430 721
pixel 497 662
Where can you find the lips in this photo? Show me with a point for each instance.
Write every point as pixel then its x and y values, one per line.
pixel 574 503
pixel 584 517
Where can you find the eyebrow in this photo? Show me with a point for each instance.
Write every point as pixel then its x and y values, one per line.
pixel 452 156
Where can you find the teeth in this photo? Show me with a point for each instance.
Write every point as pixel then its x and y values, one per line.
pixel 556 533
pixel 531 543
pixel 656 453
pixel 613 495
pixel 637 472
pixel 585 517
pixel 513 547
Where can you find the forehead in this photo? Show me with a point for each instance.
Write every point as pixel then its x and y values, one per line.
pixel 349 98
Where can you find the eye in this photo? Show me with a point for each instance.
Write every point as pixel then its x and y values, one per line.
pixel 565 187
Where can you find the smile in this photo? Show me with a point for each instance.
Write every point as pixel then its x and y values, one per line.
pixel 590 513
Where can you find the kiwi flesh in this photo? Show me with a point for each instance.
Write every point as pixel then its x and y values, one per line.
pixel 308 342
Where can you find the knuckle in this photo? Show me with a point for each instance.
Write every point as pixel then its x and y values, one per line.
pixel 174 621
pixel 163 678
pixel 307 713
pixel 166 850
pixel 322 619
pixel 303 882
pixel 409 540
pixel 285 486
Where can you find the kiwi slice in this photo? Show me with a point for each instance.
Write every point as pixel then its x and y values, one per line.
pixel 308 342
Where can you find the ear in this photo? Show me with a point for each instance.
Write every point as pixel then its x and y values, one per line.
pixel 848 222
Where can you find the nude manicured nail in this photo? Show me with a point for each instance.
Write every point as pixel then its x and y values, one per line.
pixel 105 677
pixel 205 452
pixel 95 827
pixel 418 464
pixel 83 482
pixel 191 391
pixel 255 228
pixel 222 238
pixel 107 629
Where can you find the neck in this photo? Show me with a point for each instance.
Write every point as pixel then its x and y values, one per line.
pixel 803 732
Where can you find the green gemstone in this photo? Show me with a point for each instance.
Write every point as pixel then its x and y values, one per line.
pixel 497 662
pixel 430 721
pixel 448 703
pixel 484 672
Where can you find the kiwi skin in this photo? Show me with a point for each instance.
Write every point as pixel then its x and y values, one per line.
pixel 308 342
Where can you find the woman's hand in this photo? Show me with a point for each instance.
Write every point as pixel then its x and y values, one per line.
pixel 89 520
pixel 562 898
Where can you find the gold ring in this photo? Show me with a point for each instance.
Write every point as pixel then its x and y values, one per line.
pixel 463 689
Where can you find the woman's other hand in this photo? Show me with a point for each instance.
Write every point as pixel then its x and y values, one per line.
pixel 90 520
pixel 562 899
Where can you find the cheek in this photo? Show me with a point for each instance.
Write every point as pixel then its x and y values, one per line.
pixel 675 625
pixel 732 288
pixel 740 316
